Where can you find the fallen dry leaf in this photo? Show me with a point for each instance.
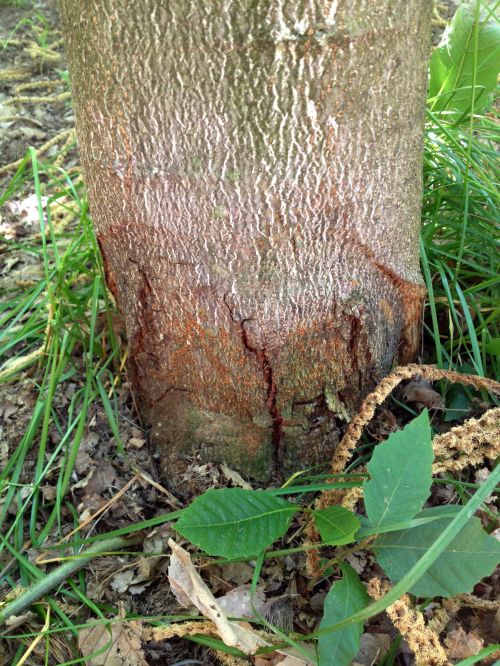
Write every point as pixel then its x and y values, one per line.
pixel 238 573
pixel 235 478
pixel 288 657
pixel 136 442
pixel 120 642
pixel 238 602
pixel 189 589
pixel 122 580
pixel 4 450
pixel 372 646
pixel 461 645
pixel 15 621
pixel 421 394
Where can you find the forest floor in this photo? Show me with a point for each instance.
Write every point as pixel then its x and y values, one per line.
pixel 115 481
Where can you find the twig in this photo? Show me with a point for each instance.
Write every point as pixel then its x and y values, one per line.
pixel 57 576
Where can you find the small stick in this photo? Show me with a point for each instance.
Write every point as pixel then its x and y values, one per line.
pixel 54 578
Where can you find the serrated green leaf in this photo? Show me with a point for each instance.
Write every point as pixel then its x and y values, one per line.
pixel 344 598
pixel 233 522
pixel 401 474
pixel 471 556
pixel 468 55
pixel 336 525
pixel 460 518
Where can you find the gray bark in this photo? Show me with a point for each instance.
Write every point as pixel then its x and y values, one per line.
pixel 254 175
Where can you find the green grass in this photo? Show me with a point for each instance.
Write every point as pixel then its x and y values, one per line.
pixel 37 25
pixel 460 236
pixel 52 326
pixel 53 329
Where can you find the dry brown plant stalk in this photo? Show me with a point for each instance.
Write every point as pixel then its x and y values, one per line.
pixel 376 398
pixel 39 151
pixel 34 85
pixel 468 444
pixel 472 442
pixel 410 622
pixel 190 628
pixel 45 99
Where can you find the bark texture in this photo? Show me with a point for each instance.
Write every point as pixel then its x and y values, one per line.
pixel 254 175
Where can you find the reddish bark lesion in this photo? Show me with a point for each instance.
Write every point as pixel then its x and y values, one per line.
pixel 206 383
pixel 108 273
pixel 267 372
pixel 412 297
pixel 413 307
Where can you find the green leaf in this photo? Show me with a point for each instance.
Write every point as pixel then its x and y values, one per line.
pixel 344 598
pixel 467 58
pixel 401 471
pixel 493 347
pixel 458 403
pixel 460 519
pixel 468 558
pixel 336 525
pixel 233 522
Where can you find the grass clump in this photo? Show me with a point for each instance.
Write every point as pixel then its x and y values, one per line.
pixel 461 198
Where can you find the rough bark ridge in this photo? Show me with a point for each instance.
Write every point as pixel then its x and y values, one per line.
pixel 254 174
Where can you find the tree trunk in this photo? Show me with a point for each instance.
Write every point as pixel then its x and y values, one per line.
pixel 254 175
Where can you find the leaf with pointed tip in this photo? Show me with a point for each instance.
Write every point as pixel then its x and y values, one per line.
pixel 467 59
pixel 336 525
pixel 233 522
pixel 344 598
pixel 401 474
pixel 471 556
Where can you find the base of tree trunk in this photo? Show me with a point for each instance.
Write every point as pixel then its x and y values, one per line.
pixel 300 422
pixel 255 182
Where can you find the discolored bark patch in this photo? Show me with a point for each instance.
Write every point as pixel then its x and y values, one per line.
pixel 255 187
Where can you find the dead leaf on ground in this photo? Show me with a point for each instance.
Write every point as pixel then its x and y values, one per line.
pixel 382 425
pixel 190 590
pixel 461 645
pixel 358 561
pixel 4 450
pixel 288 657
pixel 136 442
pixel 120 642
pixel 421 394
pixel 372 647
pixel 238 573
pixel 15 621
pixel 122 580
pixel 235 478
pixel 238 602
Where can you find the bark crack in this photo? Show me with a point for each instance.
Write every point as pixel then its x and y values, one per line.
pixel 169 389
pixel 271 397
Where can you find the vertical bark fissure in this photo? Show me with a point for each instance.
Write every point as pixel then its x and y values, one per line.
pixel 267 372
pixel 353 350
pixel 271 403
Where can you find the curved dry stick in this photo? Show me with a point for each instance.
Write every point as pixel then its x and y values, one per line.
pixel 388 384
pixel 366 413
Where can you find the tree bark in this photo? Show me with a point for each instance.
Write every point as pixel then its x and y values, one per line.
pixel 254 176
